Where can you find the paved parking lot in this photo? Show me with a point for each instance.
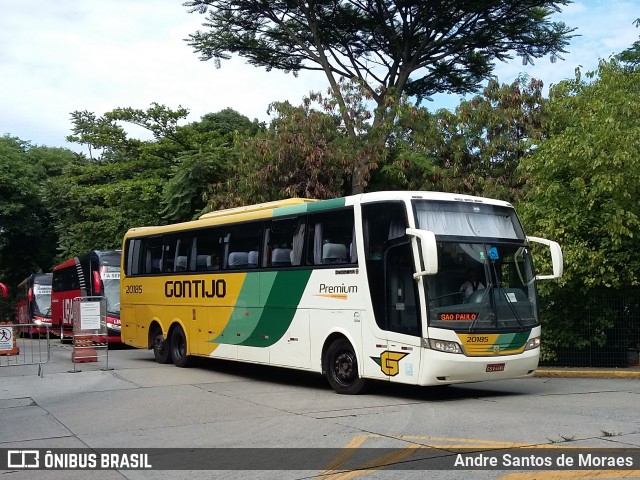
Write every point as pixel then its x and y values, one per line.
pixel 141 404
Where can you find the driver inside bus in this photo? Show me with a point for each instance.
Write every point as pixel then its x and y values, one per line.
pixel 471 284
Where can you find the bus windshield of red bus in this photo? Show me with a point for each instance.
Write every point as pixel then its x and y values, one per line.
pixel 42 299
pixel 110 276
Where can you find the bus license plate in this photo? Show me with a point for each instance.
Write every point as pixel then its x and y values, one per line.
pixel 495 367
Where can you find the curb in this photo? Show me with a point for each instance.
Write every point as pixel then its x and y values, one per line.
pixel 568 373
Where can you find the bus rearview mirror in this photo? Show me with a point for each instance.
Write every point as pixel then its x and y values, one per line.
pixel 556 257
pixel 428 250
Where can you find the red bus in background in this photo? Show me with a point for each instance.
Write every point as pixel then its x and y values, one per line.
pixel 95 274
pixel 4 293
pixel 34 303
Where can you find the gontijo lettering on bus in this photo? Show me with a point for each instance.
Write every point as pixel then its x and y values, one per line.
pixel 209 288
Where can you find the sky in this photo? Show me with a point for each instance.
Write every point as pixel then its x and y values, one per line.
pixel 59 56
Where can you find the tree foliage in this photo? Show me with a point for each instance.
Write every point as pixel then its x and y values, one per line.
pixel 631 55
pixel 392 48
pixel 131 182
pixel 304 152
pixel 27 237
pixel 94 203
pixel 475 149
pixel 583 185
pixel 212 155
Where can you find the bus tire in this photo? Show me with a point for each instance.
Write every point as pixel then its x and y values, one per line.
pixel 161 347
pixel 341 368
pixel 179 348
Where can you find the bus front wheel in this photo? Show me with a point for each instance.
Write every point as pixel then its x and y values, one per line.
pixel 179 348
pixel 341 368
pixel 161 347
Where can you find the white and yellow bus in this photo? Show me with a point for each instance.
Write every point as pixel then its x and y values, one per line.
pixel 365 287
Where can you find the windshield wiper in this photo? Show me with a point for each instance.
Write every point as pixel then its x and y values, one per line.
pixel 485 296
pixel 506 297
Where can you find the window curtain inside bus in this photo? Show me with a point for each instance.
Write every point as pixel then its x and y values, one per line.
pixel 365 236
pixel 443 222
pixel 194 255
pixel 225 256
pixel 396 229
pixel 353 250
pixel 298 243
pixel 317 244
pixel 266 248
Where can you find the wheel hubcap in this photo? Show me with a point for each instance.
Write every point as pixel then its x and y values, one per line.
pixel 344 367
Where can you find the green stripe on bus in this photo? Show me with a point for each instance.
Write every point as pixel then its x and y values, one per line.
pixel 510 341
pixel 244 316
pixel 326 204
pixel 310 207
pixel 263 323
pixel 518 340
pixel 290 210
pixel 280 308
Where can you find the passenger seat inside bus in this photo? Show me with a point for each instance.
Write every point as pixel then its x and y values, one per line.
pixel 238 260
pixel 334 253
pixel 181 263
pixel 252 259
pixel 152 265
pixel 281 257
pixel 203 262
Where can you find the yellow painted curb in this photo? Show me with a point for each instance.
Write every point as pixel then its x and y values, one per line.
pixel 588 373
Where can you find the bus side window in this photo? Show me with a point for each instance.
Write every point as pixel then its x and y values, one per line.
pixel 285 241
pixel 239 241
pixel 133 250
pixel 332 238
pixel 153 255
pixel 204 250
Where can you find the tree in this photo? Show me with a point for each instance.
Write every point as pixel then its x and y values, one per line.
pixel 475 149
pixel 303 152
pixel 131 182
pixel 27 237
pixel 481 144
pixel 213 154
pixel 583 185
pixel 96 200
pixel 631 56
pixel 393 48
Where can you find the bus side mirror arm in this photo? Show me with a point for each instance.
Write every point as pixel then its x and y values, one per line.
pixel 428 250
pixel 556 258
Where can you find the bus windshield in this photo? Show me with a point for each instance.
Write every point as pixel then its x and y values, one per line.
pixel 485 278
pixel 110 276
pixel 42 299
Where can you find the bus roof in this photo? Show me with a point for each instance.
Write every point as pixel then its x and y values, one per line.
pixel 40 278
pixel 258 207
pixel 293 206
pixel 106 257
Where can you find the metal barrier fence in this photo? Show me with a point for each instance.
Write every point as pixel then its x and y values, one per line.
pixel 24 344
pixel 604 326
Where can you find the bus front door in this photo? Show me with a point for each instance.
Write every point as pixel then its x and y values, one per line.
pixel 401 360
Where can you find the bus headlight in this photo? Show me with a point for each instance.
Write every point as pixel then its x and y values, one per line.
pixel 444 346
pixel 532 343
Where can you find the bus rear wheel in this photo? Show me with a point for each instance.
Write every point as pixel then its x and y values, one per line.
pixel 341 368
pixel 179 348
pixel 161 347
